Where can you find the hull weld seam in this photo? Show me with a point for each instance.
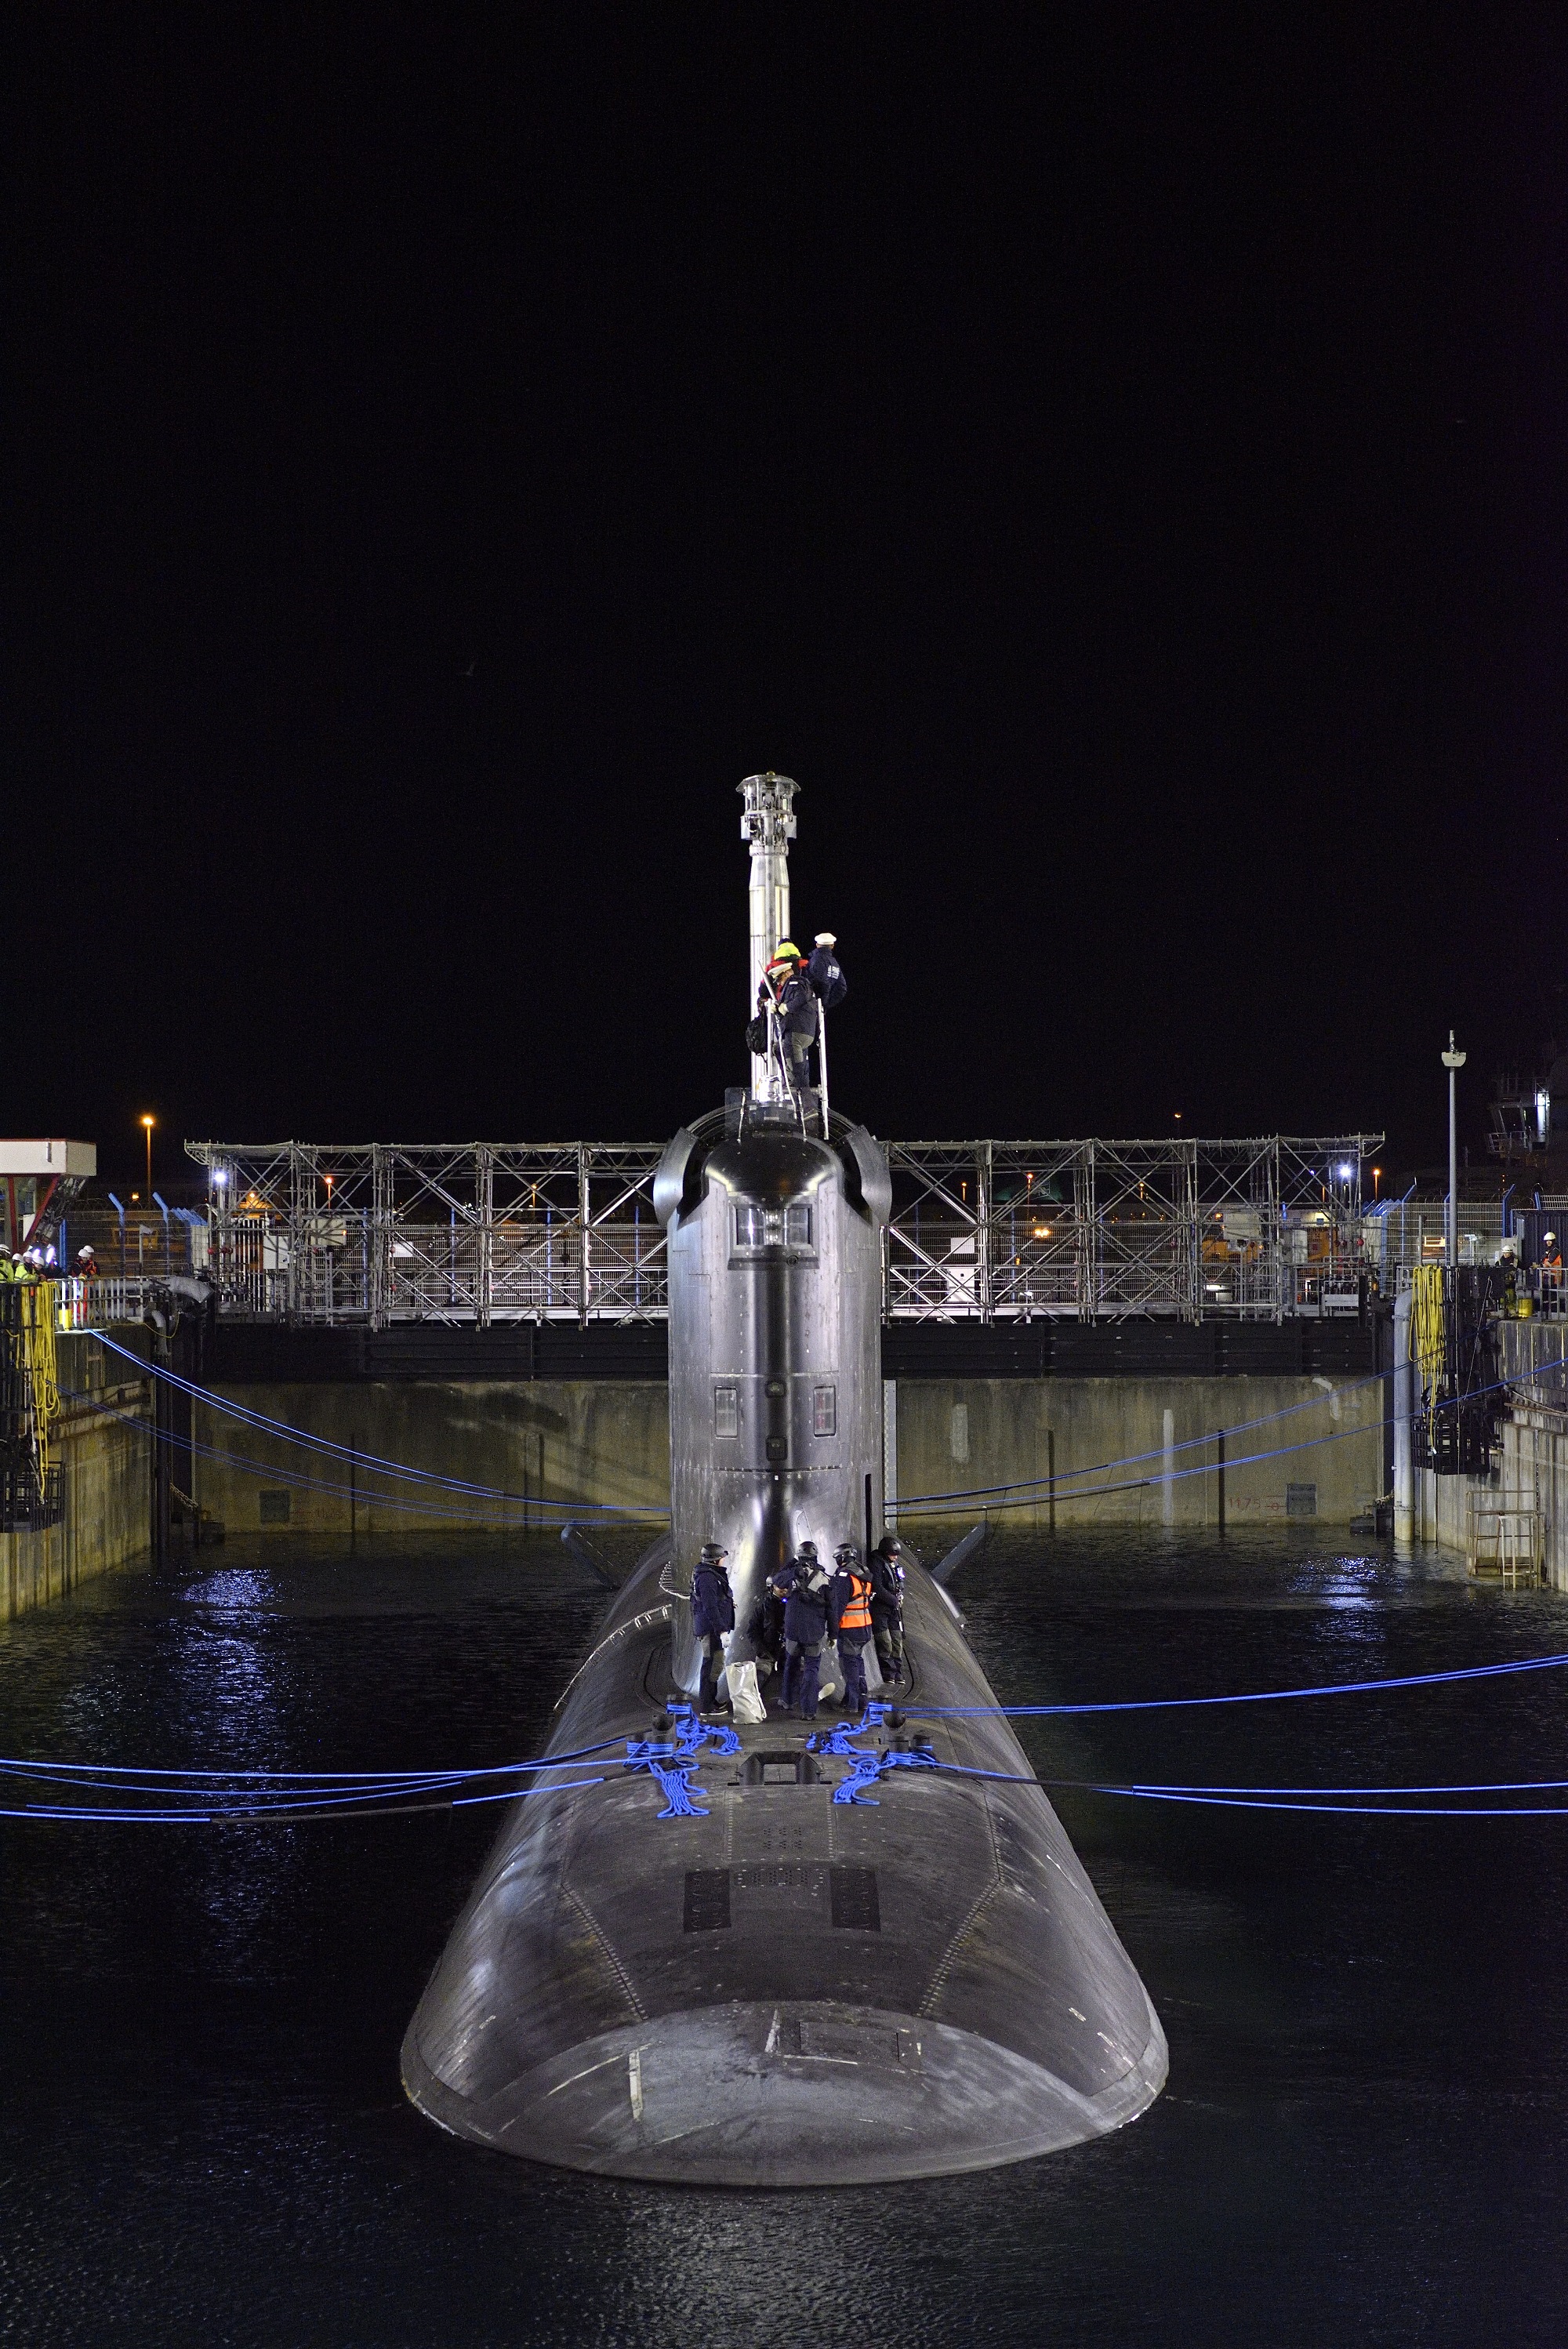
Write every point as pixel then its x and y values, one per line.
pixel 627 1990
pixel 949 1958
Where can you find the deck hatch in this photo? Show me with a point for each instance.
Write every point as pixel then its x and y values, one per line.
pixel 707 1900
pixel 856 1908
pixel 794 1767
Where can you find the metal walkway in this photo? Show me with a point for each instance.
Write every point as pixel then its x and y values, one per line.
pixel 1265 1229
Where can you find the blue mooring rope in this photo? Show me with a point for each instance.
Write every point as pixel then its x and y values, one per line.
pixel 673 1760
pixel 867 1766
pixel 1252 1696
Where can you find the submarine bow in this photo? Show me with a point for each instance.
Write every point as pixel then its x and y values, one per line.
pixel 807 1967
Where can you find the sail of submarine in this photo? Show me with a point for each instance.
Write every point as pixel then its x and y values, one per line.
pixel 783 1989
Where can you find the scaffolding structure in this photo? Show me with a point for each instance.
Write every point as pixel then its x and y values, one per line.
pixel 1262 1230
pixel 377 1232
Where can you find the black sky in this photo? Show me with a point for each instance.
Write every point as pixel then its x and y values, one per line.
pixel 1115 460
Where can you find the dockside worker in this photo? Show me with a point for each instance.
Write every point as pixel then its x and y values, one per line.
pixel 887 1607
pixel 712 1618
pixel 803 1587
pixel 851 1607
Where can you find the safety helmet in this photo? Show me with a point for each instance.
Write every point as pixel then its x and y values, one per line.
pixel 826 938
pixel 846 1555
pixel 82 1251
pixel 712 1552
pixel 788 951
pixel 807 1549
pixel 1551 1235
pixel 889 1546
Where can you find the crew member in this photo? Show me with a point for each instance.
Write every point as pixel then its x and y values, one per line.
pixel 803 1587
pixel 788 991
pixel 851 1607
pixel 769 1627
pixel 1551 1272
pixel 887 1607
pixel 1508 1263
pixel 826 973
pixel 712 1615
pixel 86 1265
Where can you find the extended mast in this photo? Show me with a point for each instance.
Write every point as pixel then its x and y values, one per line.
pixel 768 824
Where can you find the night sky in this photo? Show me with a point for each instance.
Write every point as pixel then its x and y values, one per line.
pixel 1117 460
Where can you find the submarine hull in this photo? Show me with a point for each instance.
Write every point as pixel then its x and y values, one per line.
pixel 774 1241
pixel 788 1990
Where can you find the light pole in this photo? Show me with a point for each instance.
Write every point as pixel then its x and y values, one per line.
pixel 148 1125
pixel 1453 1062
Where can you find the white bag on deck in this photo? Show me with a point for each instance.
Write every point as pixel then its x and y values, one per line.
pixel 745 1702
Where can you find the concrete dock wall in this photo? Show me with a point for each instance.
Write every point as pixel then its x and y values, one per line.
pixel 1533 1475
pixel 106 1520
pixel 1530 1480
pixel 608 1441
pixel 586 1440
pixel 961 1434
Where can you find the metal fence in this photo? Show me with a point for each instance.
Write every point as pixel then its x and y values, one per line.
pixel 373 1233
pixel 1400 1234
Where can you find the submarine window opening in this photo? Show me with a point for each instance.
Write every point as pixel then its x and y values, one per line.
pixel 759 1227
pixel 825 1411
pixel 726 1410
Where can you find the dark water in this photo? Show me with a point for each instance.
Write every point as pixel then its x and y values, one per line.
pixel 202 2140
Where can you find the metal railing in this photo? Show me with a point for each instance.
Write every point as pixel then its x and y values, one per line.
pixel 99 1303
pixel 374 1233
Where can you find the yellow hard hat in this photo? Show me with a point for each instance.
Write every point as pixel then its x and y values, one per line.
pixel 786 948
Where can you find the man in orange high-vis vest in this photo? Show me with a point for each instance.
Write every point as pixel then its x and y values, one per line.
pixel 849 1606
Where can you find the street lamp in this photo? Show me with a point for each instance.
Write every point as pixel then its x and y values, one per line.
pixel 1453 1062
pixel 148 1125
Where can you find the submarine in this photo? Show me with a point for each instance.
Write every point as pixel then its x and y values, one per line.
pixel 769 1952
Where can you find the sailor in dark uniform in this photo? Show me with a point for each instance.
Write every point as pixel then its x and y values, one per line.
pixel 887 1607
pixel 803 1587
pixel 712 1616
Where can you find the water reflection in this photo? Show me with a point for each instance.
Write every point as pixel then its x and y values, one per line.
pixel 1360 2138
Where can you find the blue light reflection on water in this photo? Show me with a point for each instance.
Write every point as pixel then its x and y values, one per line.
pixel 202 2127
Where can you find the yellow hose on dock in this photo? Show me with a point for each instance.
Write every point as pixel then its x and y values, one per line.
pixel 36 1304
pixel 1429 1333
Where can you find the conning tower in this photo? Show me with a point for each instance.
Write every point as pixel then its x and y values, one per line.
pixel 775 1285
